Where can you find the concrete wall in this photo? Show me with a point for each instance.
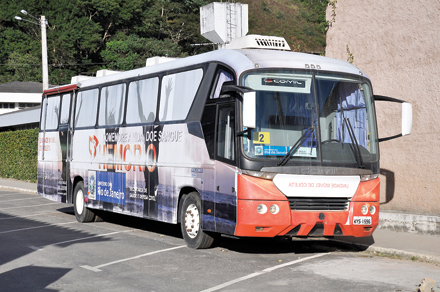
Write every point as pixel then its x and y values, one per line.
pixel 397 44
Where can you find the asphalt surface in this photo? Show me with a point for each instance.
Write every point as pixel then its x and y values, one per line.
pixel 44 248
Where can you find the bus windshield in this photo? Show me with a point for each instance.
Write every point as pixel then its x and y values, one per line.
pixel 312 118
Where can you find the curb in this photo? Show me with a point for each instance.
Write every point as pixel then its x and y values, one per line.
pixel 377 250
pixel 404 254
pixel 19 189
pixel 411 223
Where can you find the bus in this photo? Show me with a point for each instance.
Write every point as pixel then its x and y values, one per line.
pixel 250 141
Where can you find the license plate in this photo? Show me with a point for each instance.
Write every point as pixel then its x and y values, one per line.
pixel 361 220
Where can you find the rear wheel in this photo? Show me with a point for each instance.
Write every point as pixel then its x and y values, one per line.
pixel 82 213
pixel 190 220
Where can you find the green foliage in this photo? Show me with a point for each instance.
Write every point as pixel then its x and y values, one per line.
pixel 86 35
pixel 134 52
pixel 350 56
pixel 301 22
pixel 18 154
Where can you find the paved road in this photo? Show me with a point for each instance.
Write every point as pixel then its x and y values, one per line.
pixel 43 248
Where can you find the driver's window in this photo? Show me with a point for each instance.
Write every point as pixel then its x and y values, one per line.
pixel 222 77
pixel 226 132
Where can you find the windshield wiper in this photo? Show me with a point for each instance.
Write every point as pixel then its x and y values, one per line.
pixel 355 145
pixel 295 147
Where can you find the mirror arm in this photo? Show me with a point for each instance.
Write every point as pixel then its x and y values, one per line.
pixel 389 138
pixel 406 116
pixel 235 88
pixel 241 133
pixel 387 98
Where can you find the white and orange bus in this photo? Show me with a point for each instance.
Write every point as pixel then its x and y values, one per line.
pixel 256 141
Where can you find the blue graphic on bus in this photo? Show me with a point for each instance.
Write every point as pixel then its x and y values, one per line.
pixel 110 187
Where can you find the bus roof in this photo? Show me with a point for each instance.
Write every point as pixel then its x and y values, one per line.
pixel 239 60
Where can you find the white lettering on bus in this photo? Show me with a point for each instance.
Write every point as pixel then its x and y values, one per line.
pixel 164 136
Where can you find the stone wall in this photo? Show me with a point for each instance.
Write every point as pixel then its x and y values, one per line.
pixel 397 43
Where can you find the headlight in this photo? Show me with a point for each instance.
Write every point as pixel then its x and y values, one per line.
pixel 261 209
pixel 364 209
pixel 274 209
pixel 372 209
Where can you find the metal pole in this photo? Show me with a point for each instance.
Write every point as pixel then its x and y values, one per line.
pixel 44 53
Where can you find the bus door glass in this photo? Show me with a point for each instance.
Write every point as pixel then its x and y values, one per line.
pixel 50 163
pixel 65 141
pixel 225 195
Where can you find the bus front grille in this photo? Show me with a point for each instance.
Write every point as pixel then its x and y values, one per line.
pixel 319 204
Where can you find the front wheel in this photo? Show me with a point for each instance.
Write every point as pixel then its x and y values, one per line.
pixel 82 213
pixel 190 220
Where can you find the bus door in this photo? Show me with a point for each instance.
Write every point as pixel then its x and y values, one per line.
pixel 225 193
pixel 65 136
pixel 50 164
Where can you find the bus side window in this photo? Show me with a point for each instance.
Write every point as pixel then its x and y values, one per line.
pixel 142 101
pixel 43 115
pixel 208 126
pixel 226 132
pixel 222 77
pixel 177 94
pixel 52 112
pixel 111 107
pixel 86 108
pixel 65 109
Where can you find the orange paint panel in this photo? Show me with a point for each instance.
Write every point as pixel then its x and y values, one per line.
pixel 253 188
pixel 253 191
pixel 248 219
pixel 368 191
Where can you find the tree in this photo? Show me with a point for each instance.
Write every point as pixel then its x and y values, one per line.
pixel 25 67
pixel 132 52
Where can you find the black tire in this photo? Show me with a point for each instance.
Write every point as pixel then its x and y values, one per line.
pixel 190 223
pixel 82 213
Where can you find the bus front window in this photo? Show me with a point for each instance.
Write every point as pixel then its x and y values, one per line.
pixel 312 119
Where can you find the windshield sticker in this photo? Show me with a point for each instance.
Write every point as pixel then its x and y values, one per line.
pixel 261 137
pixel 282 150
pixel 279 83
pixel 305 152
pixel 283 82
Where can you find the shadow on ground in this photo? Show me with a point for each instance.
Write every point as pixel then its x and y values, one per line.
pixel 275 245
pixel 31 278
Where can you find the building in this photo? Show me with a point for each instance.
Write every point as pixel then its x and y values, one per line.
pixel 20 105
pixel 19 95
pixel 20 102
pixel 396 44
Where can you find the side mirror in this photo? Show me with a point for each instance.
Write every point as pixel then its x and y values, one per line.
pixel 406 116
pixel 249 105
pixel 249 110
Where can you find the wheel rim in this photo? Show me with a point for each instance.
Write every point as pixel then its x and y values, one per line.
pixel 79 203
pixel 192 221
